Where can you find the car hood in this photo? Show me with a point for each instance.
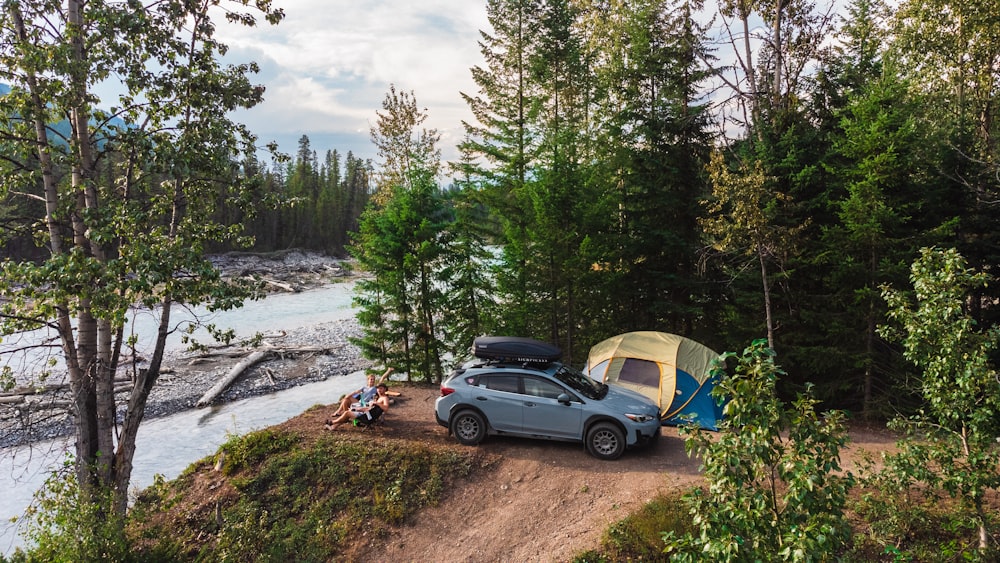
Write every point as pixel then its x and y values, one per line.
pixel 632 401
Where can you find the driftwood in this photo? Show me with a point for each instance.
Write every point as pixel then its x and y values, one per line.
pixel 19 395
pixel 21 392
pixel 250 361
pixel 281 285
pixel 217 389
pixel 208 357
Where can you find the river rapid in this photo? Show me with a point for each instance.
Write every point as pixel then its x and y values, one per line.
pixel 166 445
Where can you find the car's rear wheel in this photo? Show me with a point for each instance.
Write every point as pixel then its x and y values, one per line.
pixel 469 427
pixel 605 441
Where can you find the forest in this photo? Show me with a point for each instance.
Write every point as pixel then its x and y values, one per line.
pixel 629 170
pixel 632 167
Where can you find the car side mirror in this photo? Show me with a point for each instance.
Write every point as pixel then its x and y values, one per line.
pixel 563 398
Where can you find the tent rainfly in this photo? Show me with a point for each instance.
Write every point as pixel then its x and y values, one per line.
pixel 669 369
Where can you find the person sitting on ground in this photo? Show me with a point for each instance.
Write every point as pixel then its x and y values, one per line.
pixel 366 415
pixel 364 395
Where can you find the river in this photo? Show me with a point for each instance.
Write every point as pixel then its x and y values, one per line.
pixel 167 445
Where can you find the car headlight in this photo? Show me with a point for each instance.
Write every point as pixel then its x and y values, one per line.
pixel 640 417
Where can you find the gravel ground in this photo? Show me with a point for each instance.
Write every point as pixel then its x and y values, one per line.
pixel 186 378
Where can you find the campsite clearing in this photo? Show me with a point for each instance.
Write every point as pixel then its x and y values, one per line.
pixel 543 501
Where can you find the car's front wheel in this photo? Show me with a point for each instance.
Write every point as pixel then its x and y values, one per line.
pixel 469 427
pixel 605 441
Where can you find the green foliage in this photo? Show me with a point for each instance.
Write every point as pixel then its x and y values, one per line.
pixel 401 242
pixel 587 158
pixel 63 524
pixel 910 521
pixel 242 452
pixel 775 486
pixel 639 536
pixel 951 442
pixel 471 307
pixel 302 502
pixel 124 202
pixel 746 216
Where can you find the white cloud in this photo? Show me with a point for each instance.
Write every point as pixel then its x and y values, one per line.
pixel 329 64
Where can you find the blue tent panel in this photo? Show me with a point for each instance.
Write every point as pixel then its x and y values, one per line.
pixel 694 402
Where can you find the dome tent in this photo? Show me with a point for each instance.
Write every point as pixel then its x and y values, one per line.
pixel 671 370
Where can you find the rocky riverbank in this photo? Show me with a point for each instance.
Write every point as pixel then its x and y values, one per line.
pixel 187 376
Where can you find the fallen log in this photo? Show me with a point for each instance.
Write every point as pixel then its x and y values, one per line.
pixel 285 286
pixel 42 389
pixel 36 406
pixel 217 389
pixel 231 353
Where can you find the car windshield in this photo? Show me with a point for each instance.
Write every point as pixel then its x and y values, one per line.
pixel 580 382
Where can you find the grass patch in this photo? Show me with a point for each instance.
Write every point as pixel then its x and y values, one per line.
pixel 888 526
pixel 278 499
pixel 907 524
pixel 638 536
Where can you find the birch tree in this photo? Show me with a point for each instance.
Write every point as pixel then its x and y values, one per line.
pixel 128 193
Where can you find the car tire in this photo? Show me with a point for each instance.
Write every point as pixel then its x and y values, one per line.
pixel 605 441
pixel 469 427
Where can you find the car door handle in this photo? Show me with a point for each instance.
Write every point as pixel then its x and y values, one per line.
pixel 481 398
pixel 529 404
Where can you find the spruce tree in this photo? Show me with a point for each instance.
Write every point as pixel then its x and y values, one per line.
pixel 400 243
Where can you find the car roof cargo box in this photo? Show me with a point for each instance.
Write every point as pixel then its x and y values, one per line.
pixel 515 349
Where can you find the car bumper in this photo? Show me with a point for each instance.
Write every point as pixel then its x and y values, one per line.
pixel 646 433
pixel 437 414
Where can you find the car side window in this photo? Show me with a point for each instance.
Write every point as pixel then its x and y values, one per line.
pixel 505 383
pixel 542 388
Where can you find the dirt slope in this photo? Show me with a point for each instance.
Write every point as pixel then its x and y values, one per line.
pixel 545 501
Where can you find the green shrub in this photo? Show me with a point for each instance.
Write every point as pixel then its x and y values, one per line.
pixel 639 536
pixel 252 449
pixel 775 488
pixel 950 444
pixel 65 525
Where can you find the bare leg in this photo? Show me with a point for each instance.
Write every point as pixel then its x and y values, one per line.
pixel 335 423
pixel 345 405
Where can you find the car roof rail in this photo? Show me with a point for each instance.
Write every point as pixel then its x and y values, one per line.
pixel 533 365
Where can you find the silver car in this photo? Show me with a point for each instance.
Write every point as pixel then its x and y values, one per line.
pixel 544 399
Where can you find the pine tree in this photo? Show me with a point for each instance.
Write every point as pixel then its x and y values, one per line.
pixel 654 139
pixel 503 137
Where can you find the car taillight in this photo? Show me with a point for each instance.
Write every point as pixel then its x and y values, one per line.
pixel 445 391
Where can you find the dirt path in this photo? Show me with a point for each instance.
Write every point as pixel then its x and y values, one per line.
pixel 545 501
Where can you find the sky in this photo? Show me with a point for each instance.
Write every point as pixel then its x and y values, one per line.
pixel 328 66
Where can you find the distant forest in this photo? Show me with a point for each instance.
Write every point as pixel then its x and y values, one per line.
pixel 304 202
pixel 321 201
